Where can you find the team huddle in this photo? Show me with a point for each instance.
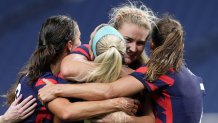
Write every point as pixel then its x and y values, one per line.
pixel 111 79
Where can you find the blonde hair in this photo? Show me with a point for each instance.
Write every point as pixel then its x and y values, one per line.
pixel 108 62
pixel 132 13
pixel 143 58
pixel 135 13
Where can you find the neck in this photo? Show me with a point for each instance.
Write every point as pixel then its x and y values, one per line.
pixel 55 68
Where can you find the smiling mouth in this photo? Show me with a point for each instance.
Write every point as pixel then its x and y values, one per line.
pixel 130 56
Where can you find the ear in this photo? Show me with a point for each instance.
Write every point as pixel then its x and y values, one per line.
pixel 70 45
pixel 91 53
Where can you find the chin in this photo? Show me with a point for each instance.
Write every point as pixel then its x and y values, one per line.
pixel 128 61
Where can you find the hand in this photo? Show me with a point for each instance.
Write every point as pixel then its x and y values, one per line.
pixel 17 112
pixel 116 117
pixel 47 93
pixel 127 105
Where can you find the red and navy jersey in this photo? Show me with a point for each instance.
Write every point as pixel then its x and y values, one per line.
pixel 83 50
pixel 177 97
pixel 41 114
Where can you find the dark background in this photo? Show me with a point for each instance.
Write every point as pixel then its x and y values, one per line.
pixel 20 21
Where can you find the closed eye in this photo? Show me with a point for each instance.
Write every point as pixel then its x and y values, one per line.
pixel 128 39
pixel 141 42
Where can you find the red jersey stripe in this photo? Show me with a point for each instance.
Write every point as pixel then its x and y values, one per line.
pixel 169 110
pixel 142 70
pixel 82 51
pixel 40 82
pixel 86 45
pixel 168 80
pixel 166 104
pixel 42 115
pixel 152 86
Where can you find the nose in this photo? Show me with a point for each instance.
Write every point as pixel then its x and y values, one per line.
pixel 132 47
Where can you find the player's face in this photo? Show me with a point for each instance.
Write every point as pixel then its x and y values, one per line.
pixel 135 37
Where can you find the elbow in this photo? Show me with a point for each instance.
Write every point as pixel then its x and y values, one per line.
pixel 67 116
pixel 64 115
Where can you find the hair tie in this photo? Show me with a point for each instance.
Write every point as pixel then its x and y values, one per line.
pixel 173 29
pixel 112 46
pixel 42 46
pixel 106 30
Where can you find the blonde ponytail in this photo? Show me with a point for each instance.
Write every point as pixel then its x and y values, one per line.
pixel 109 59
pixel 108 67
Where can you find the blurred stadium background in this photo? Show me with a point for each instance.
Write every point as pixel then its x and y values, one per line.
pixel 20 21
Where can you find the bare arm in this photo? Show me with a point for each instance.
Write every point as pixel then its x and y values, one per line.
pixel 142 119
pixel 125 86
pixel 73 65
pixel 68 111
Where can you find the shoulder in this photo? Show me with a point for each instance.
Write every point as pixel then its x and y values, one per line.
pixel 83 50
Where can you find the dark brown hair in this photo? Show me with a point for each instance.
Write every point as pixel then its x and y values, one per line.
pixel 53 37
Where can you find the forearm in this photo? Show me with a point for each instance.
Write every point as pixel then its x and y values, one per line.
pixel 68 111
pixel 126 86
pixel 123 87
pixel 142 119
pixel 91 91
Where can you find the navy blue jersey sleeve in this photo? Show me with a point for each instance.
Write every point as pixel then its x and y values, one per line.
pixel 161 83
pixel 83 50
pixel 52 78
